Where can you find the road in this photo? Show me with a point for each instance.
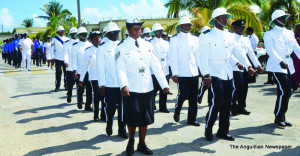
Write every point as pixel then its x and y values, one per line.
pixel 35 120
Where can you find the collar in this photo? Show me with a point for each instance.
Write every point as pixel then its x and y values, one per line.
pixel 132 40
pixel 218 30
pixel 278 28
pixel 237 36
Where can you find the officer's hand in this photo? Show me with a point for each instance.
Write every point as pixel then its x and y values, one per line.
pixel 75 76
pixel 175 79
pixel 67 65
pixel 240 66
pixel 207 81
pixel 80 84
pixel 102 91
pixel 125 91
pixel 260 69
pixel 166 90
pixel 251 71
pixel 283 65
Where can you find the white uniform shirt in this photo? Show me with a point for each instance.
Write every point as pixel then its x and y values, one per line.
pixel 77 54
pixel 245 44
pixel 104 39
pixel 216 53
pixel 106 69
pixel 280 43
pixel 58 48
pixel 147 38
pixel 49 51
pixel 254 41
pixel 89 63
pixel 183 54
pixel 161 50
pixel 26 46
pixel 67 53
pixel 133 66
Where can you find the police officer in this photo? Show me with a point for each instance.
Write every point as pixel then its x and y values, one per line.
pixel 184 64
pixel 77 54
pixel 57 44
pixel 16 50
pixel 26 47
pixel 217 47
pixel 68 62
pixel 241 76
pixel 104 38
pixel 90 67
pixel 19 49
pixel 108 82
pixel 161 50
pixel 134 57
pixel 48 51
pixel 280 43
pixel 146 34
pixel 39 49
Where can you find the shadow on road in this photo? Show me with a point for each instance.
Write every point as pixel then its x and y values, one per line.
pixel 35 110
pixel 294 151
pixel 269 91
pixel 30 94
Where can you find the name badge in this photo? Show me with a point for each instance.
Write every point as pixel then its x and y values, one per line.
pixel 162 59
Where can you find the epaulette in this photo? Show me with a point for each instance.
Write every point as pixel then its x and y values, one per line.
pixel 207 31
pixel 121 42
pixel 75 43
pixel 88 47
pixel 174 35
pixel 101 43
pixel 67 41
pixel 150 39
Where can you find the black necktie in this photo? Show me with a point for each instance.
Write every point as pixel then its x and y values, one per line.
pixel 136 43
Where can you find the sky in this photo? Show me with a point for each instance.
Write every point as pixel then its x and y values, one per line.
pixel 13 12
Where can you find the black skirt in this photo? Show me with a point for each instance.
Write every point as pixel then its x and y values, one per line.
pixel 138 109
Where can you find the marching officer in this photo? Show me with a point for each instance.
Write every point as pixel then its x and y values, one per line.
pixel 241 76
pixel 108 82
pixel 146 34
pixel 161 50
pixel 216 56
pixel 184 64
pixel 134 58
pixel 57 45
pixel 16 50
pixel 280 43
pixel 48 51
pixel 26 47
pixel 68 62
pixel 39 50
pixel 77 54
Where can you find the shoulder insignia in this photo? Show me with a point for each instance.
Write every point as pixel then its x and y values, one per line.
pixel 75 43
pixel 174 35
pixel 121 42
pixel 67 41
pixel 207 31
pixel 101 43
pixel 150 39
pixel 117 55
pixel 88 47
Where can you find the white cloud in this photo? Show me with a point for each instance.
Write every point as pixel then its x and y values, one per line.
pixel 37 22
pixel 145 10
pixel 6 19
pixel 94 15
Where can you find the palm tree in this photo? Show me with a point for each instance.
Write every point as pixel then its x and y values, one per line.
pixel 174 7
pixel 28 22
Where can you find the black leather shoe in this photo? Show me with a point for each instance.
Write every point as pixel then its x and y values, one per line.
pixel 199 99
pixel 233 112
pixel 79 105
pixel 280 123
pixel 194 124
pixel 176 117
pixel 226 137
pixel 208 135
pixel 69 99
pixel 144 149
pixel 123 135
pixel 164 110
pixel 96 118
pixel 243 111
pixel 288 123
pixel 88 108
pixel 130 147
pixel 56 89
pixel 109 130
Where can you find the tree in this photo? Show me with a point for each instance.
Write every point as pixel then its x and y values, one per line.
pixel 174 7
pixel 28 22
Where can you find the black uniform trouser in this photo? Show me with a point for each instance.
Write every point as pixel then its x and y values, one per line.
pixel 39 55
pixel 202 90
pixel 240 90
pixel 97 98
pixel 162 96
pixel 14 58
pixel 19 58
pixel 5 57
pixel 221 102
pixel 9 58
pixel 58 65
pixel 270 77
pixel 70 83
pixel 80 91
pixel 284 92
pixel 187 90
pixel 114 102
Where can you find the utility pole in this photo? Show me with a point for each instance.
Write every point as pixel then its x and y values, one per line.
pixel 2 28
pixel 79 15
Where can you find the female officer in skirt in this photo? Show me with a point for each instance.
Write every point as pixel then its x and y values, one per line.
pixel 134 57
